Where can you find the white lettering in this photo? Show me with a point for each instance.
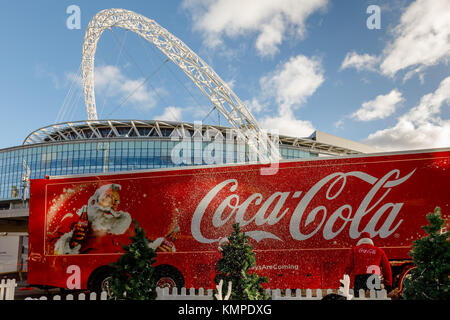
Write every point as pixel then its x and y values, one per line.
pixel 200 210
pixel 374 20
pixel 317 218
pixel 74 20
pixel 74 280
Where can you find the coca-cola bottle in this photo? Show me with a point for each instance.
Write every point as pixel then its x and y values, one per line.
pixel 80 229
pixel 172 235
pixel 168 244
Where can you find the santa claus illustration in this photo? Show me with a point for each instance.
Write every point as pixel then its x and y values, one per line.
pixel 97 227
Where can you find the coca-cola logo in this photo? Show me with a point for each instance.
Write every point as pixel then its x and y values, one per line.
pixel 383 216
pixel 367 251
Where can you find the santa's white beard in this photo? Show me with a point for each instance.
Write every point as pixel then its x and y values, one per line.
pixel 116 222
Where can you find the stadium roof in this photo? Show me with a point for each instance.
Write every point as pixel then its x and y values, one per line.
pixel 112 129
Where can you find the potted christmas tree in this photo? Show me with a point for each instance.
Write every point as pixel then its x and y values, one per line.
pixel 133 275
pixel 429 280
pixel 237 258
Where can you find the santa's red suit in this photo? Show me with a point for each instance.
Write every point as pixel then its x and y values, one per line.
pixel 108 241
pixel 364 256
pixel 108 229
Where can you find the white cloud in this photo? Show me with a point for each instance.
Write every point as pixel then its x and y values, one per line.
pixel 290 85
pixel 271 36
pixel 422 37
pixel 231 83
pixel 420 40
pixel 111 82
pixel 270 20
pixel 170 113
pixel 73 77
pixel 359 62
pixel 421 127
pixel 287 124
pixel 339 124
pixel 254 105
pixel 293 82
pixel 379 108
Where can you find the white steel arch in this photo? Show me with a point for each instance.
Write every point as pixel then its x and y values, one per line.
pixel 203 76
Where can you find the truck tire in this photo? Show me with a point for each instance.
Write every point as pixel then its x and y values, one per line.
pixel 406 272
pixel 98 281
pixel 168 276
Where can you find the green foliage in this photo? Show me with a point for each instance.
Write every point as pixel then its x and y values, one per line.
pixel 431 254
pixel 133 275
pixel 237 258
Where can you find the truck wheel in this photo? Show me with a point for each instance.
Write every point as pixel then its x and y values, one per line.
pixel 168 277
pixel 99 280
pixel 405 274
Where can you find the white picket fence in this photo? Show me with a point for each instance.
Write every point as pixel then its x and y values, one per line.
pixel 184 294
pixel 307 294
pixel 275 294
pixel 81 296
pixel 7 289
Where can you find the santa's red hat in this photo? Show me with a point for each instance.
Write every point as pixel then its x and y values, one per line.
pixel 365 239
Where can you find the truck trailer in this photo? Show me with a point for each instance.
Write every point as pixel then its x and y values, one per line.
pixel 301 221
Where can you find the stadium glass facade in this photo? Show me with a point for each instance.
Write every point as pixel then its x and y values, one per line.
pixel 86 156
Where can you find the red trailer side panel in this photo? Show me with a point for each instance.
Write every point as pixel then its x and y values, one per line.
pixel 301 221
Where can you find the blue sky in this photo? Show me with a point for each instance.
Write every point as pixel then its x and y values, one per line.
pixel 298 65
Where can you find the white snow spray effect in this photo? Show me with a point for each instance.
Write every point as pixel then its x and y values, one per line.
pixel 59 202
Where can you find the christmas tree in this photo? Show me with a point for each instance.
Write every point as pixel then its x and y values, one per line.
pixel 431 255
pixel 237 258
pixel 133 275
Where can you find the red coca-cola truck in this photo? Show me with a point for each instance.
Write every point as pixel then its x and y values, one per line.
pixel 302 220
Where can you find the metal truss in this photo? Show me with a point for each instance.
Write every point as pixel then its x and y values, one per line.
pixel 203 76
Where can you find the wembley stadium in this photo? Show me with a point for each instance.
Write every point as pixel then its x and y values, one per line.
pixel 101 146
